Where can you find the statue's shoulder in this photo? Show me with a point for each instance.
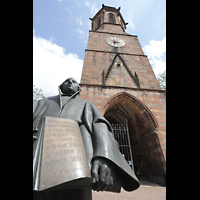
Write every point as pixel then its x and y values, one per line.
pixel 90 104
pixel 47 100
pixel 52 98
pixel 84 101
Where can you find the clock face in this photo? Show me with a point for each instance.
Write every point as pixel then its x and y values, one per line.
pixel 115 42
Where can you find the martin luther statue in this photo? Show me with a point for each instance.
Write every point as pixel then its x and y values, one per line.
pixel 109 170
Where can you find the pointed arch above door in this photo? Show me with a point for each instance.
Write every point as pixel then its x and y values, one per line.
pixel 146 120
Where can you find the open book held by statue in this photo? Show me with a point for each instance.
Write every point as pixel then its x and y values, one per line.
pixel 61 161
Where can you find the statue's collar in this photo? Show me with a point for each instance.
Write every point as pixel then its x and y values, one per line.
pixel 70 97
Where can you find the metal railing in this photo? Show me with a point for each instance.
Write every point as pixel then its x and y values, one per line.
pixel 121 134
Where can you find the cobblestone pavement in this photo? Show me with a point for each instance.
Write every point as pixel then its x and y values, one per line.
pixel 146 191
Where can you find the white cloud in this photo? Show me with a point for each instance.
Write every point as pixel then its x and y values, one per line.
pixel 156 53
pixel 87 4
pixel 81 33
pixel 93 8
pixel 156 48
pixel 130 23
pixel 79 20
pixel 51 66
pixel 60 1
pixel 68 10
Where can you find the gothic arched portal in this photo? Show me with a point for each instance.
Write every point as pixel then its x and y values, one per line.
pixel 145 146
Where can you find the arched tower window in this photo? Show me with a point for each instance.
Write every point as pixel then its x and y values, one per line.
pixel 111 18
pixel 99 23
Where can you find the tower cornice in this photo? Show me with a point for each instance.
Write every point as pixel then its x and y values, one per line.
pixel 119 87
pixel 133 54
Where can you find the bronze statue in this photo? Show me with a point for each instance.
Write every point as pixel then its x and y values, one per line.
pixel 109 170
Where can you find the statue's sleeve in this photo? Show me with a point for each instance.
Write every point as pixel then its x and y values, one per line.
pixel 104 145
pixel 35 108
pixel 39 108
pixel 35 104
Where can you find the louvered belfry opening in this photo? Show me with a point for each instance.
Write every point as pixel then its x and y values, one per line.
pixel 121 135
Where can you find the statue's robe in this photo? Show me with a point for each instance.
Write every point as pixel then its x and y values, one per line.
pixel 96 132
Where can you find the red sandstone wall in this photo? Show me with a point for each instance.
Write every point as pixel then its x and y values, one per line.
pixel 99 56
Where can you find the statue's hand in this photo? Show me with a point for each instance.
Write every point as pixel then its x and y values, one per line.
pixel 102 175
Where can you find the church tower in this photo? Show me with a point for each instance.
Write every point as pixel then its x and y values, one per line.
pixel 118 79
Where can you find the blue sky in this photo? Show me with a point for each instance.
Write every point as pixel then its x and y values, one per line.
pixel 61 28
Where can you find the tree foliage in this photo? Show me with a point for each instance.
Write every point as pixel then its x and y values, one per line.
pixel 37 93
pixel 162 80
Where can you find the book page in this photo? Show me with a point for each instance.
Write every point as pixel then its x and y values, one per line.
pixel 63 155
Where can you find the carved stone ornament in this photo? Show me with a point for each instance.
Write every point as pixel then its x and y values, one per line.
pixel 106 73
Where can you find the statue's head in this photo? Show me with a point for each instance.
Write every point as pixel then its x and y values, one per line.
pixel 70 86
